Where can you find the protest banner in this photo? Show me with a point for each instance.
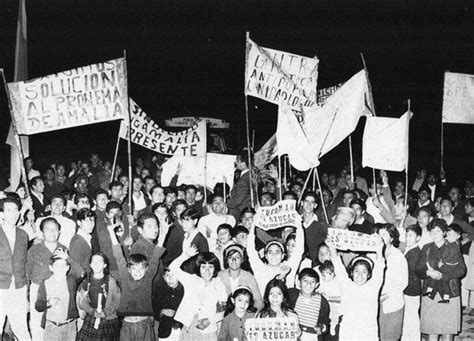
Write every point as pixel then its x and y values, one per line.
pixel 323 127
pixel 277 76
pixel 218 165
pixel 385 143
pixel 323 94
pixel 282 214
pixel 85 95
pixel 458 98
pixel 189 121
pixel 280 328
pixel 146 133
pixel 351 240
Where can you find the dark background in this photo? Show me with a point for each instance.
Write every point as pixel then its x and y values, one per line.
pixel 187 58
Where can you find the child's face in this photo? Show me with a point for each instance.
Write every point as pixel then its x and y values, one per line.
pixel 308 285
pixel 274 255
pixel 181 195
pixel 218 205
pixel 290 246
pixel 50 232
pixel 275 297
pixel 150 229
pixel 411 238
pixel 241 239
pixel 452 236
pixel 234 261
pixel 171 279
pixel 223 236
pixel 360 274
pixel 207 271
pixel 137 271
pixel 424 196
pixel 97 264
pixel 423 218
pixel 87 225
pixel 59 268
pixel 241 303
pixel 188 224
pixel 247 220
pixel 323 254
pixel 327 275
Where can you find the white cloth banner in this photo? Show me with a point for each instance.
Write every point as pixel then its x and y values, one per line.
pixel 85 95
pixel 193 170
pixel 275 328
pixel 146 133
pixel 277 76
pixel 385 143
pixel 351 240
pixel 458 98
pixel 282 214
pixel 324 127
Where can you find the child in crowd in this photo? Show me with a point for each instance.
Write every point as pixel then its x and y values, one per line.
pixel 240 235
pixel 99 297
pixel 168 295
pixel 224 239
pixel 239 308
pixel 305 262
pixel 411 317
pixel 331 291
pixel 202 308
pixel 274 251
pixel 189 219
pixel 135 304
pixel 312 308
pixel 57 299
pixel 359 294
pixel 80 248
pixel 447 264
pixel 323 255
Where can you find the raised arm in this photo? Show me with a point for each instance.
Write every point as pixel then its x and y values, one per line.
pixel 254 259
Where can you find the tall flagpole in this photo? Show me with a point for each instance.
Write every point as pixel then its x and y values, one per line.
pixel 442 133
pixel 321 195
pixel 116 155
pixel 247 38
pixel 129 144
pixel 351 158
pixel 17 137
pixel 407 152
pixel 305 185
pixel 279 178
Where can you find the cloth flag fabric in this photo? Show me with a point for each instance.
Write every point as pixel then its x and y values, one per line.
pixel 385 143
pixel 323 127
pixel 146 133
pixel 458 98
pixel 277 76
pixel 20 74
pixel 266 154
pixel 193 170
pixel 85 95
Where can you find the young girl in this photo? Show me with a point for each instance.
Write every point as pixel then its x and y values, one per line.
pixel 359 294
pixel 305 262
pixel 202 307
pixel 239 308
pixel 99 287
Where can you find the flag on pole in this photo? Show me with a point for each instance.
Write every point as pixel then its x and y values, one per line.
pixel 277 76
pixel 458 98
pixel 266 154
pixel 20 74
pixel 385 143
pixel 324 127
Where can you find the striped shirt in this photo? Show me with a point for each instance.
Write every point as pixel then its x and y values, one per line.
pixel 308 310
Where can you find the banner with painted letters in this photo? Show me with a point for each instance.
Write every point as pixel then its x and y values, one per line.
pixel 281 329
pixel 146 133
pixel 458 98
pixel 85 95
pixel 282 214
pixel 277 76
pixel 351 240
pixel 189 121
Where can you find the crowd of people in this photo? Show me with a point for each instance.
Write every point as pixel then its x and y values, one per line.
pixel 83 257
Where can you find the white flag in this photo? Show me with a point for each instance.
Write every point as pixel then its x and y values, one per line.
pixel 385 143
pixel 277 76
pixel 324 127
pixel 458 98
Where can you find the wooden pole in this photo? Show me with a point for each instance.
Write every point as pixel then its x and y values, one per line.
pixel 321 195
pixel 129 146
pixel 351 160
pixel 247 38
pixel 408 151
pixel 224 181
pixel 116 155
pixel 17 137
pixel 253 140
pixel 284 172
pixel 279 178
pixel 205 182
pixel 304 186
pixel 314 182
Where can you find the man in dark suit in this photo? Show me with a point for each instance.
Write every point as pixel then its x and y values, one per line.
pixel 39 200
pixel 438 187
pixel 240 193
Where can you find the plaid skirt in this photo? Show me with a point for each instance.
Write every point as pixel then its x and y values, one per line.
pixel 109 330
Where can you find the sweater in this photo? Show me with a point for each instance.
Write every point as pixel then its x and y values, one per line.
pixel 112 299
pixel 13 264
pixel 81 252
pixel 246 279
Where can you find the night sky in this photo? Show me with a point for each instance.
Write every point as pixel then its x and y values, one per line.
pixel 187 58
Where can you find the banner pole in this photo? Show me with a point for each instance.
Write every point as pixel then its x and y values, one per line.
pixel 253 139
pixel 408 152
pixel 205 182
pixel 351 158
pixel 321 195
pixel 115 156
pixel 247 38
pixel 279 178
pixel 305 184
pixel 224 181
pixel 284 171
pixel 17 137
pixel 129 146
